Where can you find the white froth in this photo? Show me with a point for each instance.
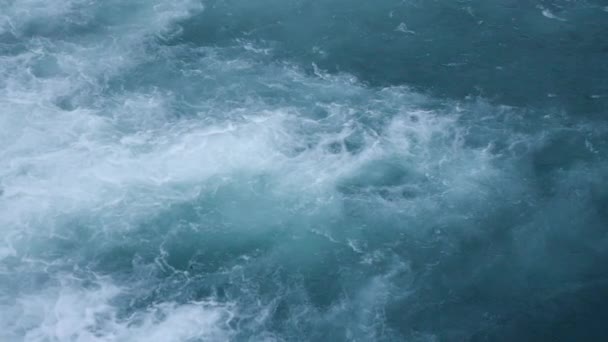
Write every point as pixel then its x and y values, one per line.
pixel 72 312
pixel 548 14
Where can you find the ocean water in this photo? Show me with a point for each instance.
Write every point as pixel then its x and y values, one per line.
pixel 299 170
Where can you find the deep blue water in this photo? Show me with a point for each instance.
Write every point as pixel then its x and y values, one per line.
pixel 299 170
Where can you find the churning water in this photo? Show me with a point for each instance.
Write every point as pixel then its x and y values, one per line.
pixel 299 170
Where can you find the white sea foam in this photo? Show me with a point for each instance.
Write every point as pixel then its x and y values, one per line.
pixel 71 312
pixel 548 14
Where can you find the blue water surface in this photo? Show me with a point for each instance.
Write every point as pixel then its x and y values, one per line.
pixel 298 170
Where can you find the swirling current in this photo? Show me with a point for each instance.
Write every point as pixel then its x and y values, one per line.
pixel 299 170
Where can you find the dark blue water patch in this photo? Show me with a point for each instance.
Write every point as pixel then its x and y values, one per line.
pixel 507 51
